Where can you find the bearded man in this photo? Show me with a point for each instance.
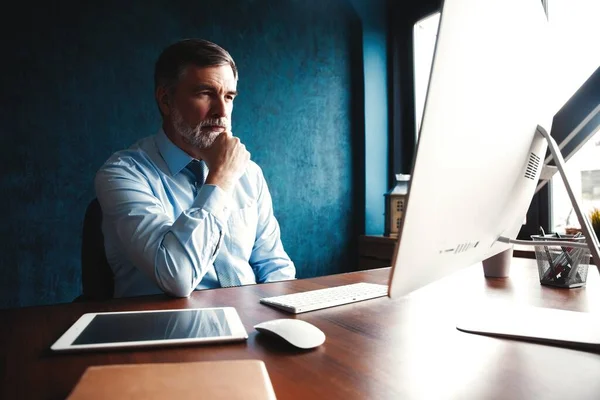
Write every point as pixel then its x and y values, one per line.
pixel 186 209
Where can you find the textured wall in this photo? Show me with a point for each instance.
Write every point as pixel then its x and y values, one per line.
pixel 373 15
pixel 77 85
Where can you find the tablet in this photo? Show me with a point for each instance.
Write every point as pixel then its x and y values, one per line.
pixel 152 328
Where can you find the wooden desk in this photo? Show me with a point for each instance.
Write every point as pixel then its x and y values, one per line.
pixel 377 251
pixel 405 348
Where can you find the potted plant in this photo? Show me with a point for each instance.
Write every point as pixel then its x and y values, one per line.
pixel 595 219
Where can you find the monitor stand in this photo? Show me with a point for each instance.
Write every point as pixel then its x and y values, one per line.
pixel 534 324
pixel 586 227
pixel 544 325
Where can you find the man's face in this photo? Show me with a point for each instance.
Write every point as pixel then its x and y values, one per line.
pixel 201 104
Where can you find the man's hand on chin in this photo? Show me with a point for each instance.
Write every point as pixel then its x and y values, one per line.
pixel 226 160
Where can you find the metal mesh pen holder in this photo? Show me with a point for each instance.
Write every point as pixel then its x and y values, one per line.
pixel 562 266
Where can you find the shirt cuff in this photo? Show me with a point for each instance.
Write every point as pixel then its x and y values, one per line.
pixel 213 200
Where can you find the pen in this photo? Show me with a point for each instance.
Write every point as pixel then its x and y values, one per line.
pixel 549 275
pixel 565 256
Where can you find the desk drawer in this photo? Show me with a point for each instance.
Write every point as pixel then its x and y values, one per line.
pixel 375 251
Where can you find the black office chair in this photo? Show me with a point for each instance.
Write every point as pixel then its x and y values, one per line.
pixel 96 274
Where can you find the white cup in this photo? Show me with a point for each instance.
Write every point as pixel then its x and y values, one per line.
pixel 498 266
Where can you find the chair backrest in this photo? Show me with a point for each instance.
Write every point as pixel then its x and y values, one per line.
pixel 96 274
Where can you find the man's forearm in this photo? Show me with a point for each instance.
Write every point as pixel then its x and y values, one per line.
pixel 186 252
pixel 176 254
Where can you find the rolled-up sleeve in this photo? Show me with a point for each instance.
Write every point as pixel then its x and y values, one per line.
pixel 176 254
pixel 269 260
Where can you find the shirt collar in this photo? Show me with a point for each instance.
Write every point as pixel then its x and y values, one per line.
pixel 175 158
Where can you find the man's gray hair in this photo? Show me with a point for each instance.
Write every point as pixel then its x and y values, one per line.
pixel 197 52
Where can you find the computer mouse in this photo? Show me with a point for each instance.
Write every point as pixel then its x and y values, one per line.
pixel 296 332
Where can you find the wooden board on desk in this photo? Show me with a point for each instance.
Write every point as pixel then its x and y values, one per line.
pixel 237 379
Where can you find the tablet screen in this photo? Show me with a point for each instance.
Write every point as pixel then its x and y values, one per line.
pixel 159 325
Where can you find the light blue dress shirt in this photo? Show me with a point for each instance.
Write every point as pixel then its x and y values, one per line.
pixel 163 235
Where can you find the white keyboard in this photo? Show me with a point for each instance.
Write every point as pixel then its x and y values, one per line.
pixel 322 298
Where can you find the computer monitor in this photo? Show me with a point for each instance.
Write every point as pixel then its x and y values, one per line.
pixel 482 143
pixel 574 124
pixel 478 156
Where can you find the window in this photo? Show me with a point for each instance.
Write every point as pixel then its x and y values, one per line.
pixel 424 37
pixel 575 38
pixel 583 172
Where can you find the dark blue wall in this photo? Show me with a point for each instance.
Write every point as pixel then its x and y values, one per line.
pixel 76 83
pixel 373 15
